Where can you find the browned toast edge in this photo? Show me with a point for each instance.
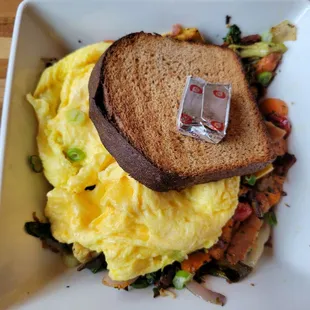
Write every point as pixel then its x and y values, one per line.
pixel 132 160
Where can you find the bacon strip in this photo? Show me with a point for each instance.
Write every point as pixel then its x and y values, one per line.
pixel 243 239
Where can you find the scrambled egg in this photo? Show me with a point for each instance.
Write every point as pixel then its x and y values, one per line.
pixel 139 230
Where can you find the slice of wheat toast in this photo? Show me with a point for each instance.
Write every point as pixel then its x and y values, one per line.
pixel 135 90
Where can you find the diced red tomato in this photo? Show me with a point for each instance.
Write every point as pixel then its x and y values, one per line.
pixel 243 211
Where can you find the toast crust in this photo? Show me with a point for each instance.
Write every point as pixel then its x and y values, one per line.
pixel 133 159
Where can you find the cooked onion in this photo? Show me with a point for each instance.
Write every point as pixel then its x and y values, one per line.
pixel 258 247
pixel 206 294
pixel 70 261
pixel 166 292
pixel 117 284
pixel 285 31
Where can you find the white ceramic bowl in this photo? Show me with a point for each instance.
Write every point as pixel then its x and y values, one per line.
pixel 32 278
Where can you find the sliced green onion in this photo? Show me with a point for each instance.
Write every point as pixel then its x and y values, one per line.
pixel 75 116
pixel 75 154
pixel 271 218
pixel 181 278
pixel 35 163
pixel 251 179
pixel 264 78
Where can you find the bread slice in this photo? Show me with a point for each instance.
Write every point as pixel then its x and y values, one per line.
pixel 135 90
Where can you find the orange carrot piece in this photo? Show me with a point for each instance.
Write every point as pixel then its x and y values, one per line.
pixel 268 63
pixel 273 198
pixel 195 261
pixel 273 105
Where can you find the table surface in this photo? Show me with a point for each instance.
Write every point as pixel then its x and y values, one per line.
pixel 7 14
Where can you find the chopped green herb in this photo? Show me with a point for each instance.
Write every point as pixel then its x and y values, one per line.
pixel 264 78
pixel 35 163
pixel 271 218
pixel 181 278
pixel 250 179
pixel 75 154
pixel 233 36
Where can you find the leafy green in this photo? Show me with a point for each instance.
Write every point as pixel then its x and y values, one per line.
pixel 223 269
pixel 271 218
pixel 233 36
pixel 95 265
pixel 141 282
pixel 148 279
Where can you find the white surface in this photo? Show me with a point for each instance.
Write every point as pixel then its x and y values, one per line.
pixel 31 278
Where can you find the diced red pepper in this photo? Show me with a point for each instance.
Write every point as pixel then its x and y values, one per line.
pixel 243 211
pixel 280 121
